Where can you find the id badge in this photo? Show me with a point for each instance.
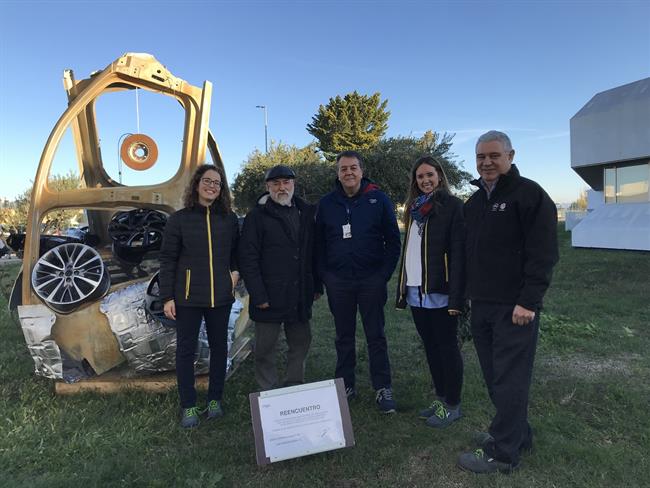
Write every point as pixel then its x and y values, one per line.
pixel 347 231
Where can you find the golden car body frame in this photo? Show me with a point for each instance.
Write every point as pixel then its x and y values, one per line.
pixel 85 334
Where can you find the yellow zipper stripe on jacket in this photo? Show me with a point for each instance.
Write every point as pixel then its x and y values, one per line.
pixel 426 257
pixel 402 283
pixel 188 276
pixel 207 219
pixel 446 269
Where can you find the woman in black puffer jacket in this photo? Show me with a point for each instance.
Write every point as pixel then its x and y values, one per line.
pixel 432 281
pixel 197 270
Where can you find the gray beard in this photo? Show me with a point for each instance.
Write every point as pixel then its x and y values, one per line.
pixel 285 202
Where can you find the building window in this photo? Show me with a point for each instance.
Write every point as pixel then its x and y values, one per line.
pixel 627 184
pixel 610 185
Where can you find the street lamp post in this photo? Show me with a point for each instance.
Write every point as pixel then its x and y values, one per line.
pixel 266 128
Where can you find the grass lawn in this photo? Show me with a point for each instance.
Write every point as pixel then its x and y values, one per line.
pixel 589 407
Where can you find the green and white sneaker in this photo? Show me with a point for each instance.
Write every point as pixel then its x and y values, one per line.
pixel 214 410
pixel 444 416
pixel 431 410
pixel 189 417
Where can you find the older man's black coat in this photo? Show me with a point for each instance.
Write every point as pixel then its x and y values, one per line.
pixel 275 267
pixel 511 245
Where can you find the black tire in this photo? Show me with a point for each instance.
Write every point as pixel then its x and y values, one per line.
pixel 136 232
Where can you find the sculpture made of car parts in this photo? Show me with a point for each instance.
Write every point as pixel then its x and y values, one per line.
pixel 91 305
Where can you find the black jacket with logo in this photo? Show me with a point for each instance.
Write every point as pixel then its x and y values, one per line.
pixel 277 268
pixel 442 253
pixel 511 242
pixel 198 253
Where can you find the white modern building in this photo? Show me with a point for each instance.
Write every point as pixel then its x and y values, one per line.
pixel 610 150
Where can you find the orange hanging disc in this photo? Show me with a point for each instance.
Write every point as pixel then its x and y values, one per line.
pixel 139 152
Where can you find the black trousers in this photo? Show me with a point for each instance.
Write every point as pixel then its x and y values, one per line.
pixel 506 353
pixel 439 333
pixel 188 320
pixel 369 297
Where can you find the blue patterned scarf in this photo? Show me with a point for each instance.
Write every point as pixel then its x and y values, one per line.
pixel 421 209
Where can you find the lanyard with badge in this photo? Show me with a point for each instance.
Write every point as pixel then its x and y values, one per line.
pixel 347 228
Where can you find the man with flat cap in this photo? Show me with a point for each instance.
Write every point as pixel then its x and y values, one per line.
pixel 277 251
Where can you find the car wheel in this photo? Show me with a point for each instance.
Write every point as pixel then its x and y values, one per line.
pixel 70 275
pixel 136 232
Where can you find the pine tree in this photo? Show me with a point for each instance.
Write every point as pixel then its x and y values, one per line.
pixel 351 122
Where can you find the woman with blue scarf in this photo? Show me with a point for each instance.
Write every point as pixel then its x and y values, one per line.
pixel 431 282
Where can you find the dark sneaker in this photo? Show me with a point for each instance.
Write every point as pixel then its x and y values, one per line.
pixel 384 400
pixel 444 417
pixel 214 410
pixel 190 417
pixel 484 439
pixel 431 410
pixel 350 393
pixel 479 462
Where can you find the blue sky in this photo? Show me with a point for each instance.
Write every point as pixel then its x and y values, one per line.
pixel 462 67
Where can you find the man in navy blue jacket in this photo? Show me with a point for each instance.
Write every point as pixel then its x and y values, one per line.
pixel 359 241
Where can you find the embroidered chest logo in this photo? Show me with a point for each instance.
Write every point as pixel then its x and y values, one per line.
pixel 499 207
pixel 372 200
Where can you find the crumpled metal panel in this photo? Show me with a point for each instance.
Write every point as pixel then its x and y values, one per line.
pixel 36 322
pixel 147 345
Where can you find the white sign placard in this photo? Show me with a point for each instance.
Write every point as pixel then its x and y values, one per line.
pixel 300 420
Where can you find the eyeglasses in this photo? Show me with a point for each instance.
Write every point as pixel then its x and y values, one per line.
pixel 209 182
